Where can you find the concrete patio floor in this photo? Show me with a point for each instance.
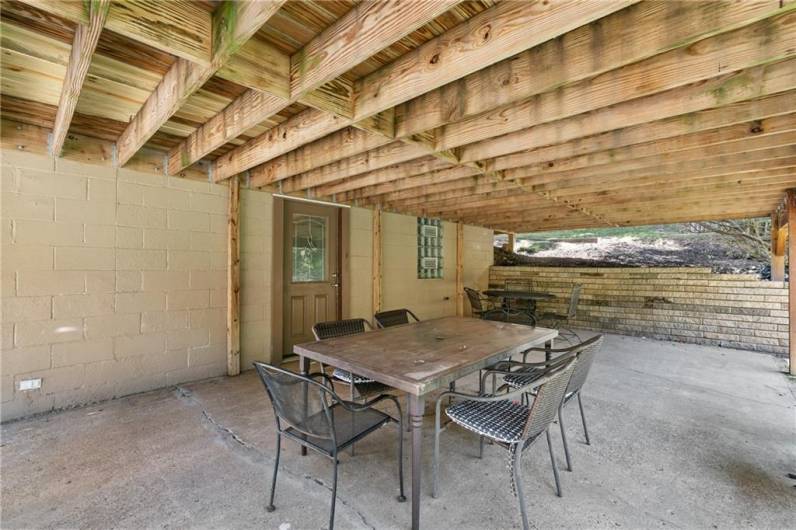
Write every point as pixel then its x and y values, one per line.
pixel 682 436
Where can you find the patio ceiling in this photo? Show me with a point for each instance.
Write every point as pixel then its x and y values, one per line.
pixel 511 115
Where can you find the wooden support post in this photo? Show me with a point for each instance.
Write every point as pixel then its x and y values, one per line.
pixel 376 289
pixel 460 269
pixel 790 208
pixel 778 237
pixel 233 278
pixel 512 242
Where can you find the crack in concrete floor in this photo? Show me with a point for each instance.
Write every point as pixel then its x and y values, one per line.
pixel 185 395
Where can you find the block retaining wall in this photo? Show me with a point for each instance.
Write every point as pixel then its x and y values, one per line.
pixel 680 304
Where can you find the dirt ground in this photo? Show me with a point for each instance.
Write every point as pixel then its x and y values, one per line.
pixel 634 252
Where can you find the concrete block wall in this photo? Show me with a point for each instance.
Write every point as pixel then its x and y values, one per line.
pixel 691 305
pixel 114 282
pixel 429 298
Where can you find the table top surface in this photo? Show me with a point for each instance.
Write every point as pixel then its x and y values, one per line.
pixel 519 295
pixel 424 356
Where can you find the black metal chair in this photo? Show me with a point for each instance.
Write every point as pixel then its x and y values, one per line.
pixel 510 424
pixel 309 412
pixel 359 386
pixel 557 320
pixel 394 317
pixel 481 306
pixel 525 286
pixel 525 373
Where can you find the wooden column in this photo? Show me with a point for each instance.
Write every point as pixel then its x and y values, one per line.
pixel 376 289
pixel 512 241
pixel 233 278
pixel 790 209
pixel 778 236
pixel 460 269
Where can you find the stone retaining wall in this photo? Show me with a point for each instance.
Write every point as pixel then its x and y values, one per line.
pixel 681 304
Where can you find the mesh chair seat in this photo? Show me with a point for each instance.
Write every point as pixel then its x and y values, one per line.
pixel 349 427
pixel 523 377
pixel 345 375
pixel 502 420
pixel 553 316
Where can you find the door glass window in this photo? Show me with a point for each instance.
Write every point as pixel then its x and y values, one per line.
pixel 309 248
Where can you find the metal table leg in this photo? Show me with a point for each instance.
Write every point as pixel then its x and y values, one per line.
pixel 547 347
pixel 416 408
pixel 304 369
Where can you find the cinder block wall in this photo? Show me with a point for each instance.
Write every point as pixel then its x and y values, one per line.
pixel 681 304
pixel 114 282
pixel 428 298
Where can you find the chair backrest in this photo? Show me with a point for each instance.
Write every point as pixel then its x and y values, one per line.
pixel 475 299
pixel 519 285
pixel 586 352
pixel 394 317
pixel 340 328
pixel 299 401
pixel 574 297
pixel 548 398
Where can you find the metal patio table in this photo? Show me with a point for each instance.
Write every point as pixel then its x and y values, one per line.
pixel 423 357
pixel 509 295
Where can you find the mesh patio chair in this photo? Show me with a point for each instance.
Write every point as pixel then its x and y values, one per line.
pixel 359 386
pixel 557 320
pixel 309 412
pixel 394 317
pixel 479 304
pixel 508 423
pixel 526 286
pixel 525 373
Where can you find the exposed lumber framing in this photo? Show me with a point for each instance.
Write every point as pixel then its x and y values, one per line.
pixel 790 200
pixel 233 24
pixel 512 241
pixel 617 40
pixel 514 116
pixel 233 278
pixel 365 30
pixel 509 28
pixel 178 27
pixel 460 269
pixel 376 262
pixel 83 46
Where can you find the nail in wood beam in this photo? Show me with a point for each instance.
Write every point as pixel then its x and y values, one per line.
pixel 83 46
pixel 233 278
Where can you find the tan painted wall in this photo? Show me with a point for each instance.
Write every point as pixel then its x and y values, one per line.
pixel 681 304
pixel 113 281
pixel 400 286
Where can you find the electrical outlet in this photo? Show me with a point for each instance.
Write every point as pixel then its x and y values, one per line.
pixel 30 384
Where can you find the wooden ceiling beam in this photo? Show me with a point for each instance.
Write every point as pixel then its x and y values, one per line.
pixel 234 23
pixel 683 210
pixel 83 46
pixel 762 42
pixel 508 28
pixel 364 30
pixel 723 91
pixel 620 39
pixel 178 27
pixel 418 166
pixel 751 185
pixel 381 157
pixel 506 201
pixel 695 166
pixel 780 132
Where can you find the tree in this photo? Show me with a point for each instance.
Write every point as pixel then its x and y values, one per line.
pixel 753 236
